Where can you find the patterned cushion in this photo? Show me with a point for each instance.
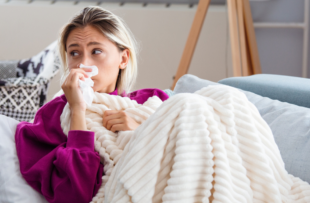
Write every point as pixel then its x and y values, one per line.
pixel 33 66
pixel 8 69
pixel 22 97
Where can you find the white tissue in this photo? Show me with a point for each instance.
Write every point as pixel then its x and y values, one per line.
pixel 86 86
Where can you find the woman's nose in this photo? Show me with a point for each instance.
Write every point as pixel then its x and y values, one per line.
pixel 86 61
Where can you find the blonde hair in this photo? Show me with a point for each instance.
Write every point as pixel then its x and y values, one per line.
pixel 116 31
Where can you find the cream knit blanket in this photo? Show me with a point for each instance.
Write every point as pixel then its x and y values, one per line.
pixel 210 146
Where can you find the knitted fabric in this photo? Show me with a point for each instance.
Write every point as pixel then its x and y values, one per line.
pixel 110 145
pixel 210 146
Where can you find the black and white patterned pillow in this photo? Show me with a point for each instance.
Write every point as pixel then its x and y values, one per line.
pixel 22 97
pixel 35 65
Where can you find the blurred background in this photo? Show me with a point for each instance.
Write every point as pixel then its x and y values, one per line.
pixel 161 28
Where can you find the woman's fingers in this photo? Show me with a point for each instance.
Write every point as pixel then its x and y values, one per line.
pixel 72 77
pixel 71 88
pixel 109 115
pixel 112 122
pixel 75 71
pixel 75 77
pixel 66 81
pixel 86 69
pixel 110 112
pixel 117 127
pixel 118 121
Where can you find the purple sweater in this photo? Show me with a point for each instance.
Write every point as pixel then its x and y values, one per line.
pixel 61 168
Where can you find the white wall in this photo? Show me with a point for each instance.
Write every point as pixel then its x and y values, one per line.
pixel 26 29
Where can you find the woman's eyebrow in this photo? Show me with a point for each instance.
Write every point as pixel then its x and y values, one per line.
pixel 94 43
pixel 73 45
pixel 89 44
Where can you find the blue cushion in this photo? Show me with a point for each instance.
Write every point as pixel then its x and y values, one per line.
pixel 190 83
pixel 169 92
pixel 289 124
pixel 289 89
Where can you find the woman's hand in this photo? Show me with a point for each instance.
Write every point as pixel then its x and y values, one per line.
pixel 75 98
pixel 72 90
pixel 118 121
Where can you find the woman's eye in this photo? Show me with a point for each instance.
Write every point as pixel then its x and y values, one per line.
pixel 97 51
pixel 73 53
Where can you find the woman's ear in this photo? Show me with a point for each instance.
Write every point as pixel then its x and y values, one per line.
pixel 124 59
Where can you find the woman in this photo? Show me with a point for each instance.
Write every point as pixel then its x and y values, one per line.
pixel 68 169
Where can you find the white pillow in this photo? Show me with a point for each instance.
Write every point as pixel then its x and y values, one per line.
pixel 13 187
pixel 51 62
pixel 40 64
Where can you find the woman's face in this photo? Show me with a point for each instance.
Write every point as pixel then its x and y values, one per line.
pixel 90 47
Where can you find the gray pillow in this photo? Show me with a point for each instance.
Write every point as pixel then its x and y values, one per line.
pixel 7 69
pixel 289 123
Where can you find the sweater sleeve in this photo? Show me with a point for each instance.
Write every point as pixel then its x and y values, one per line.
pixel 62 169
pixel 142 95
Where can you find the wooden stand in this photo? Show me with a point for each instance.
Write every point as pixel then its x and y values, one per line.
pixel 245 56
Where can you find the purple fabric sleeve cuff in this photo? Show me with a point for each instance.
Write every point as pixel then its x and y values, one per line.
pixel 82 140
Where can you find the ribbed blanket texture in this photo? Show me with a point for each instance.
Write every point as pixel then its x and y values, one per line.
pixel 209 146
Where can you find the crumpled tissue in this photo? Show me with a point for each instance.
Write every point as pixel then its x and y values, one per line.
pixel 86 86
